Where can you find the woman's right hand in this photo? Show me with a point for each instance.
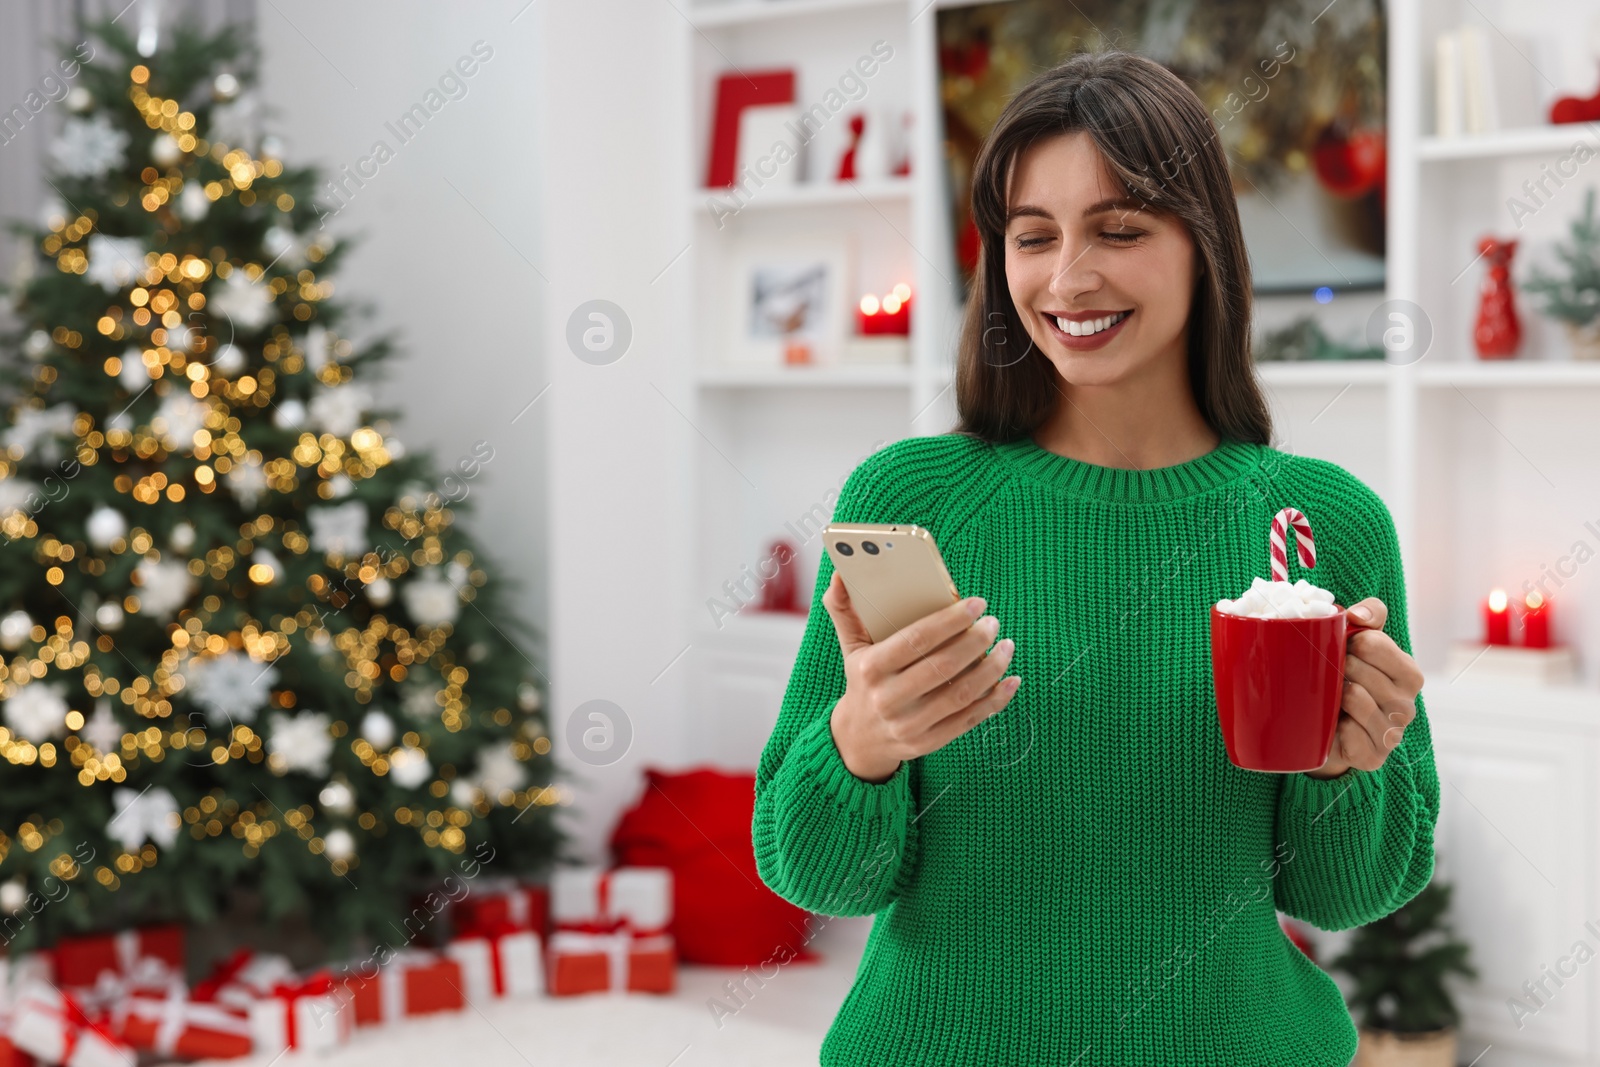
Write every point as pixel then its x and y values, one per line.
pixel 925 685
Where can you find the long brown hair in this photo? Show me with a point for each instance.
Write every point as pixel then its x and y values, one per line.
pixel 1158 139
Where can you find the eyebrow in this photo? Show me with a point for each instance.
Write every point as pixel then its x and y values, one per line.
pixel 1034 211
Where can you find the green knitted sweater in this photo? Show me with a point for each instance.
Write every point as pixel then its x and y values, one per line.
pixel 1085 879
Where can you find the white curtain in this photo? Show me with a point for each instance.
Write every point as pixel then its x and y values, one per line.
pixel 33 34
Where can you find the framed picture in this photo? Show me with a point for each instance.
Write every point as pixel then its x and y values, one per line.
pixel 790 303
pixel 1299 105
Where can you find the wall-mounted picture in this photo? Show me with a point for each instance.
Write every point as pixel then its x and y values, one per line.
pixel 790 302
pixel 1298 99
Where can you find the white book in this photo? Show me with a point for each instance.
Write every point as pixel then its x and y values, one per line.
pixel 1498 80
pixel 1478 112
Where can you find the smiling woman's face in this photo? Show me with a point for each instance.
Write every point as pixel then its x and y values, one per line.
pixel 1120 276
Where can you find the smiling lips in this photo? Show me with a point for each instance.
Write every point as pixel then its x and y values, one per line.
pixel 1088 323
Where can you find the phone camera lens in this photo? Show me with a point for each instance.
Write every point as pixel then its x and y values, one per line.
pixel 844 548
pixel 869 548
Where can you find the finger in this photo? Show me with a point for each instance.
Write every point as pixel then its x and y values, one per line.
pixel 967 686
pixel 991 702
pixel 1378 613
pixel 911 643
pixel 1363 727
pixel 1397 706
pixel 1380 650
pixel 846 623
pixel 935 674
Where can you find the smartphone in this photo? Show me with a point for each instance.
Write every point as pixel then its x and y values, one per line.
pixel 894 573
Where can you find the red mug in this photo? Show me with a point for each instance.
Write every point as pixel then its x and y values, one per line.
pixel 1279 685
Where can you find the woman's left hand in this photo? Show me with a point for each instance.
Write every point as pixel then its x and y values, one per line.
pixel 1381 683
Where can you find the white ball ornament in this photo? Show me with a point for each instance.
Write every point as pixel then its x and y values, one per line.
pixel 193 203
pixel 224 86
pixel 409 767
pixel 108 616
pixel 13 896
pixel 289 415
pixel 337 797
pixel 37 346
pixel 528 698
pixel 380 591
pixel 183 536
pixel 378 729
pixel 228 361
pixel 79 99
pixel 339 844
pixel 106 526
pixel 164 150
pixel 15 630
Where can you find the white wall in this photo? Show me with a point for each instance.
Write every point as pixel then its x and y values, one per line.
pixel 447 228
pixel 546 185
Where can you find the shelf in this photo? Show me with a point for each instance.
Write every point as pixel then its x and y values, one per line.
pixel 746 12
pixel 889 375
pixel 807 194
pixel 1562 705
pixel 1535 140
pixel 1508 373
pixel 1324 372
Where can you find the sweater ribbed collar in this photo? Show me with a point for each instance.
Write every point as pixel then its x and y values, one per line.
pixel 1230 460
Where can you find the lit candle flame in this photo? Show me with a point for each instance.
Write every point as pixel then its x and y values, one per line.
pixel 869 305
pixel 1534 600
pixel 1497 600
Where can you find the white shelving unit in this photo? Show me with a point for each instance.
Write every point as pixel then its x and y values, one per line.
pixel 1487 467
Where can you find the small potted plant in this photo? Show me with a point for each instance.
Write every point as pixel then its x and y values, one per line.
pixel 1575 297
pixel 1400 964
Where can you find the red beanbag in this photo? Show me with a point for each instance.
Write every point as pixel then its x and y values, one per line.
pixel 697 823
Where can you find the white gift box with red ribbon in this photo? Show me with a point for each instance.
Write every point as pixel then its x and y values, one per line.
pixel 315 1014
pixel 52 1026
pixel 594 898
pixel 499 963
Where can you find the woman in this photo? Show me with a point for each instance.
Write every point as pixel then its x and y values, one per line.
pixel 1073 872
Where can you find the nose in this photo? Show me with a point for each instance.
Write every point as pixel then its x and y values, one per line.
pixel 1075 271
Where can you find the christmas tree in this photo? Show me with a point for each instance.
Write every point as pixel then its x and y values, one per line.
pixel 1574 298
pixel 1400 964
pixel 245 642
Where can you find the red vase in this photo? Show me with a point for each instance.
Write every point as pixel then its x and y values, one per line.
pixel 1498 333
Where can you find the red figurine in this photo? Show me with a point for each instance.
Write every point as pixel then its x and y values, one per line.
pixel 1498 333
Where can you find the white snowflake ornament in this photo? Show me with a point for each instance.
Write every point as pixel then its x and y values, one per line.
pixel 88 148
pixel 114 262
pixel 164 586
pixel 299 743
pixel 36 712
pixel 340 530
pixel 409 767
pixel 245 303
pixel 230 687
pixel 16 628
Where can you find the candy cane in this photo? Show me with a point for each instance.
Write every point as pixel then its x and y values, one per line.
pixel 1280 556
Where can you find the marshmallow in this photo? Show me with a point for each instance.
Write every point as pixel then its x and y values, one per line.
pixel 1281 600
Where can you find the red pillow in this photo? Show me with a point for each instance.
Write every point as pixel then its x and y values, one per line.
pixel 697 823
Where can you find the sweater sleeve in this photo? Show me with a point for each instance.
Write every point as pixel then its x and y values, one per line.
pixel 824 839
pixel 1355 848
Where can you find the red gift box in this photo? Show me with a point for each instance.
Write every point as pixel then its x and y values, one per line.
pixel 244 978
pixel 500 962
pixel 79 961
pixel 587 962
pixel 11 1055
pixel 414 982
pixel 504 902
pixel 174 1025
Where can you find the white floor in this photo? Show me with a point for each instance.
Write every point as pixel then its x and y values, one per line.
pixel 780 1023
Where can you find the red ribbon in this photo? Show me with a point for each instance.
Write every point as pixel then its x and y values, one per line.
pixel 222 974
pixel 315 985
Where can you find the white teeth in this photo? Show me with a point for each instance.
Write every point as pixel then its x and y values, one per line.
pixel 1093 326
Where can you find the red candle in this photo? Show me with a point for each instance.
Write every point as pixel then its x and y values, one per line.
pixel 889 315
pixel 1496 619
pixel 1536 622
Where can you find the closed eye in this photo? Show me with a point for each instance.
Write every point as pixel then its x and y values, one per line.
pixel 1125 237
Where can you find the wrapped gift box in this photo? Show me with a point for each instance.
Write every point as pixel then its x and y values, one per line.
pixel 414 982
pixel 596 900
pixel 244 978
pixel 174 1025
pixel 314 1014
pixel 500 962
pixel 52 1027
pixel 614 962
pixel 80 961
pixel 495 903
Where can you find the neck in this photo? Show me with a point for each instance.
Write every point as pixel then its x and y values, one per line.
pixel 1134 423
